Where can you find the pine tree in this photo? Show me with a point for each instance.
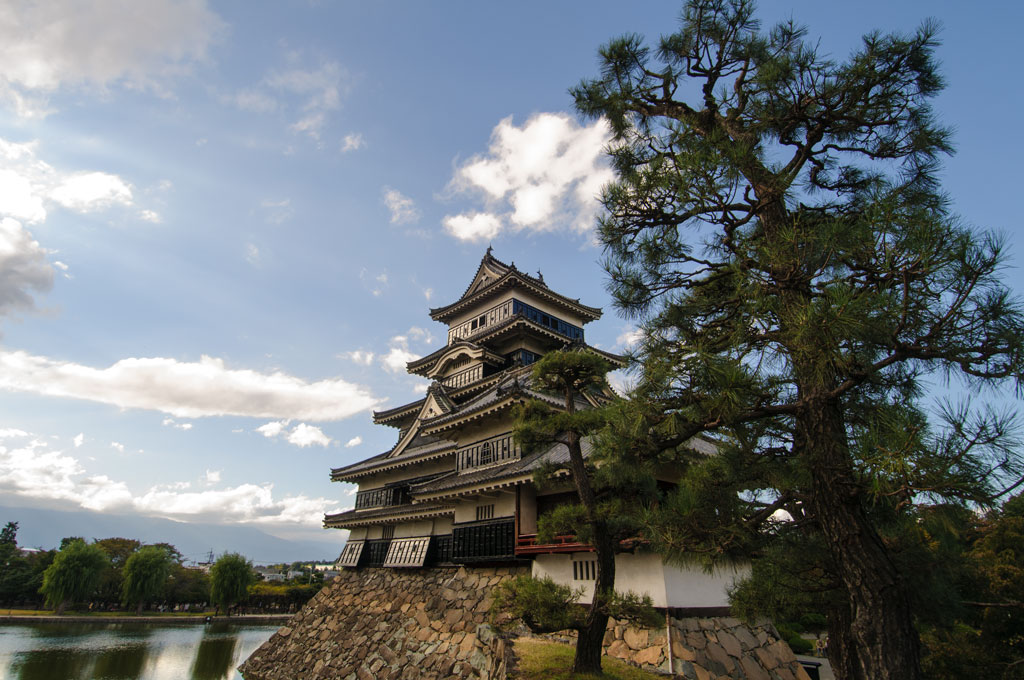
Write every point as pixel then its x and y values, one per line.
pixel 598 518
pixel 778 226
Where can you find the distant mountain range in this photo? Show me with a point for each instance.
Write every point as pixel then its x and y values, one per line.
pixel 42 528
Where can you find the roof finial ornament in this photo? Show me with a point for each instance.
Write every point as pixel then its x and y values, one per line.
pixel 540 277
pixel 489 249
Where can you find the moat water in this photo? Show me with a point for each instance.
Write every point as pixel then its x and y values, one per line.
pixel 127 651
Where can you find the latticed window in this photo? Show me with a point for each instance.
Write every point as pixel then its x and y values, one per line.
pixel 387 531
pixel 484 512
pixel 584 570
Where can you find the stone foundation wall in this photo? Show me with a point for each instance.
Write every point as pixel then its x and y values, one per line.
pixel 389 624
pixel 717 647
pixel 395 624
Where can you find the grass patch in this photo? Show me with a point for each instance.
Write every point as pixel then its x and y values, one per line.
pixel 542 660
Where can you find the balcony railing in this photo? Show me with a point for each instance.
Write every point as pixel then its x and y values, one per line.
pixel 499 449
pixel 484 541
pixel 382 497
pixel 526 544
pixel 507 310
pixel 470 375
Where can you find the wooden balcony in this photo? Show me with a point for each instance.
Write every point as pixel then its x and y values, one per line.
pixel 487 541
pixel 499 449
pixel 526 544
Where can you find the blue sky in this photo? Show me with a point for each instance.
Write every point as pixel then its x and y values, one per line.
pixel 222 224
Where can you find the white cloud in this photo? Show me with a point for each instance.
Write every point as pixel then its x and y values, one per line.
pixel 30 184
pixel 170 422
pixel 629 337
pixel 24 270
pixel 117 445
pixel 272 429
pixel 252 254
pixel 428 293
pixel 473 227
pixel 396 359
pixel 419 334
pixel 359 356
pixel 79 439
pixel 399 354
pixel 150 216
pixel 302 435
pixel 34 471
pixel 89 191
pixel 9 432
pixel 543 176
pixel 307 435
pixel 403 209
pixel 319 91
pixel 186 389
pixel 250 99
pixel 376 284
pixel 45 46
pixel 355 441
pixel 352 142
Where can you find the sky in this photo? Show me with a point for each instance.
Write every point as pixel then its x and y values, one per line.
pixel 222 224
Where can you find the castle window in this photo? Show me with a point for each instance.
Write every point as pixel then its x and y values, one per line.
pixel 484 512
pixel 485 453
pixel 387 531
pixel 584 570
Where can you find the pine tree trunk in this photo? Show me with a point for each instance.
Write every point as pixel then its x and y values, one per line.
pixel 590 643
pixel 883 639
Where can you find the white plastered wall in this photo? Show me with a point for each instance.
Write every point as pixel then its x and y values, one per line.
pixel 645 574
pixel 504 506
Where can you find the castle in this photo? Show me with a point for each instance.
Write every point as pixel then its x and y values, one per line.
pixel 456 489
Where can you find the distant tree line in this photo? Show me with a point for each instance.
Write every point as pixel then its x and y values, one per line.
pixel 120 573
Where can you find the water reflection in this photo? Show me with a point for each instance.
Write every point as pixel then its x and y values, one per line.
pixel 126 651
pixel 214 657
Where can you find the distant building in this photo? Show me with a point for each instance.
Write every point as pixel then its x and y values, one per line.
pixel 455 488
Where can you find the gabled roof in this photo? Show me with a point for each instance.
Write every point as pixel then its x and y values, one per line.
pixel 494 276
pixel 352 518
pixel 512 389
pixel 496 476
pixel 428 365
pixel 419 450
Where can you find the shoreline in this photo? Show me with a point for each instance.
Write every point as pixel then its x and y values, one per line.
pixel 279 619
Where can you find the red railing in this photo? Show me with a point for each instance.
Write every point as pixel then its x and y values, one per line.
pixel 526 544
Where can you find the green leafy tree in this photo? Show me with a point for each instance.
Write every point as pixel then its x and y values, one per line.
pixel 14 567
pixel 145 575
pixel 9 534
pixel 230 577
pixel 118 550
pixel 984 635
pixel 74 574
pixel 187 585
pixel 777 225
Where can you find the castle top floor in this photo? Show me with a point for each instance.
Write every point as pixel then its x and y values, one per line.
pixel 499 292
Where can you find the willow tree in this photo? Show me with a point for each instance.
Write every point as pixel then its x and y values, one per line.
pixel 74 574
pixel 230 578
pixel 145 574
pixel 777 225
